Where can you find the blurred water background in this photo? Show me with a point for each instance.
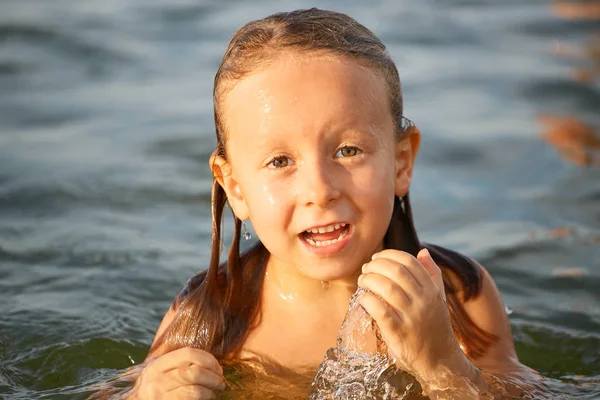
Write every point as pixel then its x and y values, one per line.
pixel 106 127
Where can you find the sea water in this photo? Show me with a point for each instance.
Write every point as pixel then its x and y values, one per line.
pixel 360 367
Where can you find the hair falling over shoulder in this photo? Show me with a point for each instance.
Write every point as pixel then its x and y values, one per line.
pixel 220 306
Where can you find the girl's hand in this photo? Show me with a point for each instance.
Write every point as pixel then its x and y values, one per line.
pixel 407 300
pixel 185 373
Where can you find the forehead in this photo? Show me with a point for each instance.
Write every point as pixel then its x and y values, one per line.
pixel 306 93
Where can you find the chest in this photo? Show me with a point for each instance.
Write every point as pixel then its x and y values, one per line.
pixel 292 339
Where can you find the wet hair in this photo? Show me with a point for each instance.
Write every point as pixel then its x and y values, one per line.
pixel 220 306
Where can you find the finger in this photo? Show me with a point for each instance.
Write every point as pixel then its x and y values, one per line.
pixel 433 270
pixel 424 257
pixel 195 375
pixel 191 392
pixel 396 272
pixel 387 319
pixel 406 259
pixel 385 289
pixel 189 356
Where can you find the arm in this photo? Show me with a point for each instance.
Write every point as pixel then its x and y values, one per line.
pixel 487 311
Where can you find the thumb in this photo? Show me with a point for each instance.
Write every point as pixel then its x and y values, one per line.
pixel 432 268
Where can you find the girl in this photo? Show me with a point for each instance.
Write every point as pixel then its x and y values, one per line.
pixel 314 150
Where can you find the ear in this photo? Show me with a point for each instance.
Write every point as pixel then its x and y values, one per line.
pixel 406 153
pixel 221 170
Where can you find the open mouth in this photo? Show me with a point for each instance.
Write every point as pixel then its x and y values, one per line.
pixel 325 235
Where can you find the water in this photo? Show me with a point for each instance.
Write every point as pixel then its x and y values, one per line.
pixel 106 128
pixel 353 375
pixel 360 366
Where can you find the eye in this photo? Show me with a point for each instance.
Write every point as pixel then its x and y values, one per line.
pixel 279 162
pixel 348 151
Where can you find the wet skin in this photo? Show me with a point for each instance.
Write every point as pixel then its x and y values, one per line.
pixel 311 144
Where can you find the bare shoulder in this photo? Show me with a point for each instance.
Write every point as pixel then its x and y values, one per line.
pixel 488 312
pixel 193 283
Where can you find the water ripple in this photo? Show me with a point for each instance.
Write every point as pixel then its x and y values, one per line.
pixel 71 46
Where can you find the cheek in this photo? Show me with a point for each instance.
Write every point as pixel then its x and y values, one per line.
pixel 376 181
pixel 267 203
pixel 374 194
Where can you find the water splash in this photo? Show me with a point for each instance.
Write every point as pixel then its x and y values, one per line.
pixel 360 367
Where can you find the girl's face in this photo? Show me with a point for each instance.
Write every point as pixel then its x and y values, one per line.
pixel 313 161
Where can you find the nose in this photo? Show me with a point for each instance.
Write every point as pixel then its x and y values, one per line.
pixel 317 185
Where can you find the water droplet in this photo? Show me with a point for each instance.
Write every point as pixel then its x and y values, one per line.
pixel 325 285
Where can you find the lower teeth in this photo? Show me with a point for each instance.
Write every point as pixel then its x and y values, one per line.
pixel 325 242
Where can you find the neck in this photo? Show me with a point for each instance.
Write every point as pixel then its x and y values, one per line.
pixel 291 285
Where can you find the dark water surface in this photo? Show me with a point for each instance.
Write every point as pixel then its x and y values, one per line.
pixel 106 127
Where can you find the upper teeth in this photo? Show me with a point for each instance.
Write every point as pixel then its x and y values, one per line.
pixel 324 229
